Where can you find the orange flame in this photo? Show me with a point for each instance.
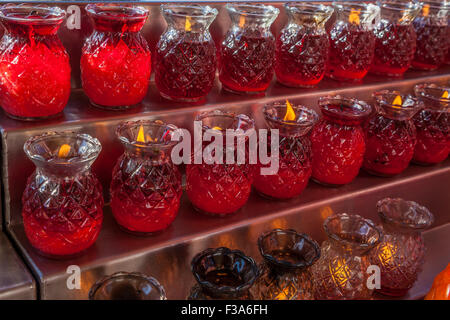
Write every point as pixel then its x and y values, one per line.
pixel 141 136
pixel 63 151
pixel 426 10
pixel 445 95
pixel 354 16
pixel 188 25
pixel 397 101
pixel 217 128
pixel 290 114
pixel 241 21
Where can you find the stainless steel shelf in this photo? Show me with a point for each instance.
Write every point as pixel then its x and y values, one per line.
pixel 167 255
pixel 16 281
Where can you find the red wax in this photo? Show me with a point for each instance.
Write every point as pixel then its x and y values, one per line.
pixel 293 173
pixel 389 145
pixel 394 48
pixel 145 197
pixel 67 223
pixel 351 52
pixel 301 58
pixel 247 62
pixel 432 44
pixel 34 68
pixel 185 68
pixel 116 61
pixel 218 189
pixel 433 136
pixel 337 148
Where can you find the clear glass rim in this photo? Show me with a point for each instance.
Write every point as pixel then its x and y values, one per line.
pixel 426 214
pixel 58 14
pixel 145 123
pixel 242 118
pixel 285 264
pixel 97 147
pixel 362 245
pixel 312 116
pixel 410 6
pixel 252 9
pixel 434 4
pixel 421 90
pixel 134 12
pixel 122 274
pixel 225 290
pixel 348 6
pixel 380 96
pixel 359 109
pixel 308 8
pixel 196 10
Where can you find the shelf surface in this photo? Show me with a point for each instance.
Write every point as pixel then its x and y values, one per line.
pixel 16 281
pixel 167 255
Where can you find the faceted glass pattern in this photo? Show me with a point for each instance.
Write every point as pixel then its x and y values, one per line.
pixel 295 165
pixel 390 134
pixel 185 57
pixel 34 65
pixel 395 43
pixel 284 274
pixel 352 41
pixel 62 204
pixel 400 254
pixel 115 60
pixel 338 140
pixel 341 271
pixel 302 48
pixel 248 49
pixel 146 185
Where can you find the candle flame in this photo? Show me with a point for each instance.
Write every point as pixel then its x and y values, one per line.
pixel 241 21
pixel 188 25
pixel 63 151
pixel 426 10
pixel 445 95
pixel 217 128
pixel 290 114
pixel 354 16
pixel 397 101
pixel 141 136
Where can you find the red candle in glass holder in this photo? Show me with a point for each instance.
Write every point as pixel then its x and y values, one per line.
pixel 248 49
pixel 432 124
pixel 395 38
pixel 185 57
pixel 338 140
pixel 220 188
pixel 34 65
pixel 295 167
pixel 146 185
pixel 62 204
pixel 431 27
pixel 302 48
pixel 115 60
pixel 390 133
pixel 352 41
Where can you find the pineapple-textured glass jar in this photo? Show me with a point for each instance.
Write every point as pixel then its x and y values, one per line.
pixel 146 185
pixel 284 274
pixel 341 271
pixel 400 254
pixel 62 204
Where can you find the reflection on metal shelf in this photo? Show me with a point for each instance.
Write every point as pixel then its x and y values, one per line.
pixel 16 281
pixel 167 255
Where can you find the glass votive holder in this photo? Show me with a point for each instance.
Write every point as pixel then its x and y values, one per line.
pixel 127 286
